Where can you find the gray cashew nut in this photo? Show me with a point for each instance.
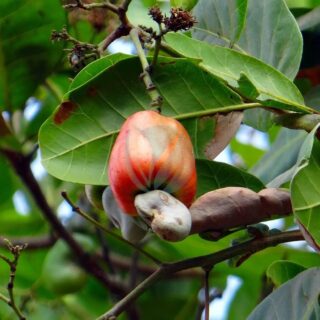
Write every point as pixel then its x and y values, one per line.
pixel 131 230
pixel 169 218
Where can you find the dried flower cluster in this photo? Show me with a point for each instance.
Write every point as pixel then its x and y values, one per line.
pixel 179 19
pixel 80 54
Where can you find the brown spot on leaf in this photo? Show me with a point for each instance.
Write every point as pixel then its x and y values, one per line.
pixel 226 127
pixel 64 112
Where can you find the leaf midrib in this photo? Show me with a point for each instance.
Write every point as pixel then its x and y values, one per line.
pixel 180 116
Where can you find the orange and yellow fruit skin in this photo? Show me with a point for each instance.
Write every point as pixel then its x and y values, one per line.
pixel 151 152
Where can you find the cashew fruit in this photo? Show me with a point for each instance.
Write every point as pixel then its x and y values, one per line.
pixel 151 152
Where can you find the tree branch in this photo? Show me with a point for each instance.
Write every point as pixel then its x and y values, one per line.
pixel 89 6
pixel 21 165
pixel 100 226
pixel 120 11
pixel 254 245
pixel 207 293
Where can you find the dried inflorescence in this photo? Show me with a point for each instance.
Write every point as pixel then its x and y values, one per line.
pixel 81 53
pixel 156 14
pixel 60 35
pixel 179 19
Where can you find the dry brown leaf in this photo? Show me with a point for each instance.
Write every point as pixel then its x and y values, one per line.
pixel 226 127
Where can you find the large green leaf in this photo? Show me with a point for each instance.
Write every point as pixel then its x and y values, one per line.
pixel 302 3
pixel 305 189
pixel 257 28
pixel 248 153
pixel 209 134
pixel 251 77
pixel 278 165
pixel 270 32
pixel 245 298
pixel 214 175
pixel 76 141
pixel 282 271
pixel 30 224
pixel 138 12
pixel 220 21
pixel 27 55
pixel 312 97
pixel 295 300
pixel 281 156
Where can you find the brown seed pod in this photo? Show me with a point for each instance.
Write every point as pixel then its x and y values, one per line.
pixel 232 207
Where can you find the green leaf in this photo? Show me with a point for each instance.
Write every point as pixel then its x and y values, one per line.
pixel 313 97
pixel 259 119
pixel 220 22
pixel 257 28
pixel 5 180
pixel 184 4
pixel 175 295
pixel 302 3
pixel 281 156
pixel 138 12
pixel 76 141
pixel 270 32
pixel 295 300
pixel 248 153
pixel 27 55
pixel 214 175
pixel 209 135
pixel 245 298
pixel 282 271
pixel 305 189
pixel 29 224
pixel 242 73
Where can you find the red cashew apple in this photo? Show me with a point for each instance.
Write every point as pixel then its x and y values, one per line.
pixel 152 152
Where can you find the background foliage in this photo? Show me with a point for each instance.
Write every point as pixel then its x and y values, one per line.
pixel 239 56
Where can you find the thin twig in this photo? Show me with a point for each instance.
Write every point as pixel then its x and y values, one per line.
pixel 254 245
pixel 122 30
pixel 15 251
pixel 32 242
pixel 156 99
pixel 4 298
pixel 89 6
pixel 124 263
pixel 133 275
pixel 207 293
pixel 76 209
pixel 156 51
pixel 121 11
pixel 105 249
